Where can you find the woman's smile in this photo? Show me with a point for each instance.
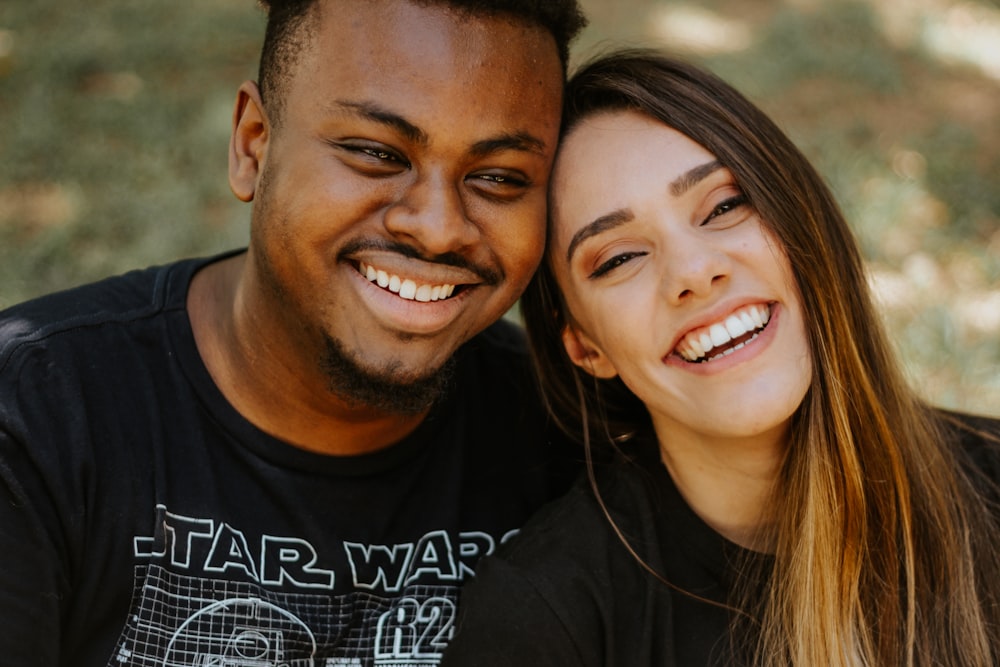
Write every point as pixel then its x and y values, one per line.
pixel 722 338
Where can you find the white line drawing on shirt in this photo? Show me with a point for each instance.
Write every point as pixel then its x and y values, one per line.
pixel 242 632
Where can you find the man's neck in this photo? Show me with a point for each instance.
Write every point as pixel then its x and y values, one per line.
pixel 272 384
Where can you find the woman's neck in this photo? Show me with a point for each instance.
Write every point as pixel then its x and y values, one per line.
pixel 729 483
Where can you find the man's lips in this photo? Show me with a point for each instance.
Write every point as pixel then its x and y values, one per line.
pixel 406 288
pixel 726 336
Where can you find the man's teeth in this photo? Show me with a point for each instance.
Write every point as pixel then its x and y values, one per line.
pixel 405 287
pixel 742 326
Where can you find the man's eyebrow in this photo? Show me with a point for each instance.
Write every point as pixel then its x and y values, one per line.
pixel 518 141
pixel 376 113
pixel 599 225
pixel 692 177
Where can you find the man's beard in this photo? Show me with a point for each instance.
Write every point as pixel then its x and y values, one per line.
pixel 382 389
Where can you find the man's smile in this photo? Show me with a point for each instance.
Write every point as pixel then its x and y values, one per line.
pixel 406 288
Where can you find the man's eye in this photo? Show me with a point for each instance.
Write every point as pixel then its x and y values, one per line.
pixel 509 180
pixel 501 186
pixel 380 154
pixel 614 263
pixel 364 155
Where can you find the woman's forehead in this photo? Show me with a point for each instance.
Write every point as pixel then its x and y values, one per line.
pixel 610 159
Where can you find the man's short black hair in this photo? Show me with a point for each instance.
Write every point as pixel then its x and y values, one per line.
pixel 288 29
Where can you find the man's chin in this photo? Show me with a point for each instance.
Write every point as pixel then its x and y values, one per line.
pixel 385 389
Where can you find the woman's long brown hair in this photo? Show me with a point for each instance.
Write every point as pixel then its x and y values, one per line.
pixel 885 552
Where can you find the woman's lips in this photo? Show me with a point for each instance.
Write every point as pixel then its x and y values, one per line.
pixel 741 327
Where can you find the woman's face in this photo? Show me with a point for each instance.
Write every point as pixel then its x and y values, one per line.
pixel 673 282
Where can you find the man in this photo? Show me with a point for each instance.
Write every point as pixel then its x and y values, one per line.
pixel 294 455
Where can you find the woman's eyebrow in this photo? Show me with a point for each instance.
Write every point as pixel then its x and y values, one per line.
pixel 678 186
pixel 692 177
pixel 601 224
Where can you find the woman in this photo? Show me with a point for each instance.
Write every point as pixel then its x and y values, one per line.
pixel 768 490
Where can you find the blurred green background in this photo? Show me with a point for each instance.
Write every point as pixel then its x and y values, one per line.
pixel 114 122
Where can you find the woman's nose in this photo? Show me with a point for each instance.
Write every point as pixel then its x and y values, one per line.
pixel 693 266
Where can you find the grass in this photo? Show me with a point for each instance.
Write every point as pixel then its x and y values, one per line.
pixel 114 132
pixel 114 123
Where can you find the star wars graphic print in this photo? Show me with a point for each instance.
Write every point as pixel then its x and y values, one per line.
pixel 204 597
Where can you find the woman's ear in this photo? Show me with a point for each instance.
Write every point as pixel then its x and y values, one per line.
pixel 248 142
pixel 586 354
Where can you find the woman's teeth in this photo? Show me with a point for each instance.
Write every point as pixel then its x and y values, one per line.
pixel 725 337
pixel 405 287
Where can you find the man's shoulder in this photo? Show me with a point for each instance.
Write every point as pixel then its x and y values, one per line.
pixel 123 298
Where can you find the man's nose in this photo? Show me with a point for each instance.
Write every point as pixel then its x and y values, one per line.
pixel 431 216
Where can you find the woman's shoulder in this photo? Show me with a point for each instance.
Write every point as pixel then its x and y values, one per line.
pixel 563 591
pixel 977 439
pixel 581 516
pixel 974 433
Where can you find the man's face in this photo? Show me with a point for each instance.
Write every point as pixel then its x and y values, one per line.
pixel 400 203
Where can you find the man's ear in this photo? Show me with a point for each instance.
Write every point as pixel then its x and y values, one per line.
pixel 248 142
pixel 586 354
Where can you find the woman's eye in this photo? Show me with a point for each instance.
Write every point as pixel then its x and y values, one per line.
pixel 727 206
pixel 614 263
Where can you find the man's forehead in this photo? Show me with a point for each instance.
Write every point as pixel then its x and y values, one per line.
pixel 425 42
pixel 354 14
pixel 416 69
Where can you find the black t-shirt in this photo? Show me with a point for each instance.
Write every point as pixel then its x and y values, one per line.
pixel 143 521
pixel 567 592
